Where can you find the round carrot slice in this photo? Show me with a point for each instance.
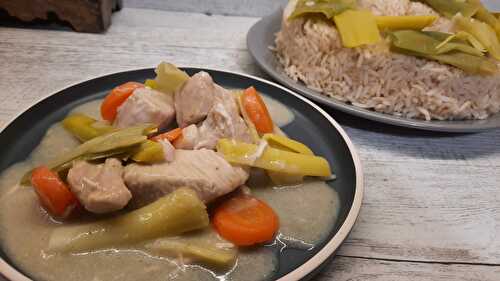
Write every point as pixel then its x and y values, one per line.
pixel 245 220
pixel 257 111
pixel 116 97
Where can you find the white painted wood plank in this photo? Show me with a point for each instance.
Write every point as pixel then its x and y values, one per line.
pixel 429 212
pixel 408 145
pixel 257 8
pixel 351 269
pixel 427 198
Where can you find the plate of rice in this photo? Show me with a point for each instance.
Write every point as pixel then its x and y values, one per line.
pixel 430 64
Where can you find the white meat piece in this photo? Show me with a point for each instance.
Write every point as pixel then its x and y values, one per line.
pixel 194 99
pixel 188 139
pixel 223 121
pixel 100 188
pixel 204 171
pixel 168 149
pixel 146 106
pixel 201 98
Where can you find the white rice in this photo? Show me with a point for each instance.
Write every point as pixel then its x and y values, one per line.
pixel 372 77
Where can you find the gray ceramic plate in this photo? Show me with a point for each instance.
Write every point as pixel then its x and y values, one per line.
pixel 311 125
pixel 261 36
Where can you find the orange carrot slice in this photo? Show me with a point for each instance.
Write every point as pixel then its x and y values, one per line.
pixel 245 220
pixel 54 195
pixel 257 111
pixel 170 135
pixel 117 97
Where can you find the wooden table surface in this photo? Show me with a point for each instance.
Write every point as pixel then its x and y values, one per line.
pixel 431 209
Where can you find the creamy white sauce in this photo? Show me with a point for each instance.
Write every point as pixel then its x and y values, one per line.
pixel 280 114
pixel 306 212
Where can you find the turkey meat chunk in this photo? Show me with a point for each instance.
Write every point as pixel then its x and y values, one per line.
pixel 223 121
pixel 204 171
pixel 146 106
pixel 99 188
pixel 194 99
pixel 189 138
pixel 215 111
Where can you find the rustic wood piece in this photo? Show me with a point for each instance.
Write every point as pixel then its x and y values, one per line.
pixel 431 209
pixel 82 15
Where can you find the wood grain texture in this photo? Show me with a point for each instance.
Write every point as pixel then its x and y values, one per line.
pixel 429 197
pixel 83 15
pixel 360 269
pixel 256 8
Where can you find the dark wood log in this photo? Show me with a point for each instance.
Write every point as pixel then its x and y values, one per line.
pixel 82 15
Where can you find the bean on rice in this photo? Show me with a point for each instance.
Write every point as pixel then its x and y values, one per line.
pixel 310 50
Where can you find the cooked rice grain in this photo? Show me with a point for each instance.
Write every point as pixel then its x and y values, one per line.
pixel 311 51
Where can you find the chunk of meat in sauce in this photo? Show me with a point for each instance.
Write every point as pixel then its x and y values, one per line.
pixel 100 188
pixel 146 106
pixel 199 99
pixel 195 99
pixel 205 171
pixel 223 121
pixel 188 139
